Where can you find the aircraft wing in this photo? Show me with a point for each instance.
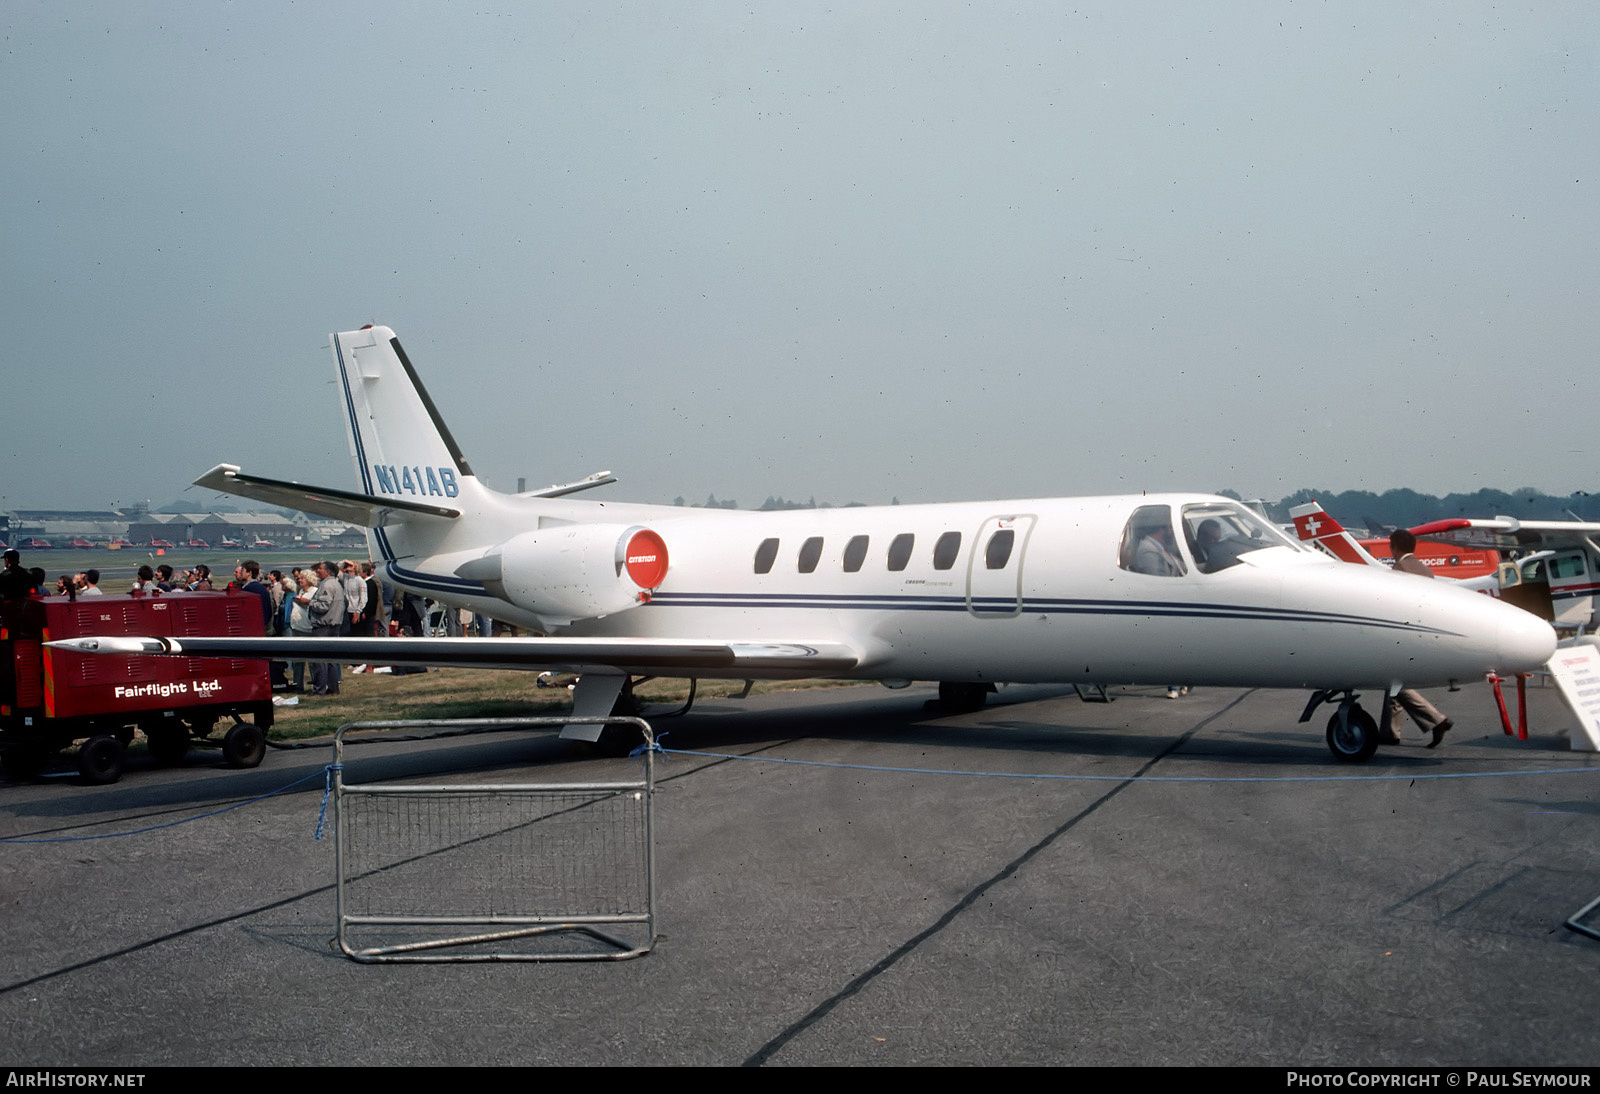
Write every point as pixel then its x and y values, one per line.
pixel 362 510
pixel 1508 533
pixel 639 656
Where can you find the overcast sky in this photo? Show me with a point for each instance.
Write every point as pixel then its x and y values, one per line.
pixel 933 251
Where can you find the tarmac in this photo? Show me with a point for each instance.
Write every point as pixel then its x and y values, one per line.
pixel 1190 882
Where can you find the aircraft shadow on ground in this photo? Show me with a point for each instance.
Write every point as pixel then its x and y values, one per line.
pixel 911 721
pixel 147 789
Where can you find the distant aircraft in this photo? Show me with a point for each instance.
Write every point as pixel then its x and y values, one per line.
pixel 1157 589
pixel 1557 579
pixel 1313 525
pixel 1558 576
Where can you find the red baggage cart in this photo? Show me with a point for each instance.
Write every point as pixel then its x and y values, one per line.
pixel 50 698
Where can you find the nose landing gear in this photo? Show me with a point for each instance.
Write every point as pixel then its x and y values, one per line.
pixel 1352 732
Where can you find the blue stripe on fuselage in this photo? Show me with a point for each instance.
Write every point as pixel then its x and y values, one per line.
pixel 1034 605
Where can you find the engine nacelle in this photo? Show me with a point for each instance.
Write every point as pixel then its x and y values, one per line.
pixel 574 571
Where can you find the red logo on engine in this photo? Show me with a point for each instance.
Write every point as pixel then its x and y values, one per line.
pixel 646 559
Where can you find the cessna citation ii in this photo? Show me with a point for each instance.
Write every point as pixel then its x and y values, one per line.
pixel 1143 589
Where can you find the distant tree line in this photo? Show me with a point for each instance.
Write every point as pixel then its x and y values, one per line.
pixel 1407 508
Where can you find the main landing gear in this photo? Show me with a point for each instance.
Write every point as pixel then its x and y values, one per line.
pixel 1352 732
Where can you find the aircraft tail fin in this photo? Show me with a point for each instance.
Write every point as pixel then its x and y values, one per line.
pixel 402 448
pixel 1317 527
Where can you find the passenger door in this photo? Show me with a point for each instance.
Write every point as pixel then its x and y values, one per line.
pixel 994 568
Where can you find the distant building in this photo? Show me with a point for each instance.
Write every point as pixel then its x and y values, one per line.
pixel 66 527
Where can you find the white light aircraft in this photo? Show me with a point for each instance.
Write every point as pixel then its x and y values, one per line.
pixel 1158 589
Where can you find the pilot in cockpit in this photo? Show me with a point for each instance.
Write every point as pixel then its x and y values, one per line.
pixel 1217 551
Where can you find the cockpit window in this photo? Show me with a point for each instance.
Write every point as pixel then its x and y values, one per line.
pixel 1148 546
pixel 1220 533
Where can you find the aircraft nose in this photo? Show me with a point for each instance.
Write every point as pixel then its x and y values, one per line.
pixel 1525 641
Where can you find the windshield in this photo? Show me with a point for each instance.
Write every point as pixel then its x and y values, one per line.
pixel 1220 533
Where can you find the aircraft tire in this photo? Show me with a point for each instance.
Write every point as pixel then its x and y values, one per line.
pixel 101 759
pixel 244 745
pixel 1353 741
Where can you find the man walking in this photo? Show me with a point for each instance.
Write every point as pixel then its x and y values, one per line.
pixel 327 621
pixel 1429 718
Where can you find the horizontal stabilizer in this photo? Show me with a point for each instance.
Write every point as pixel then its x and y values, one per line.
pixel 359 509
pixel 642 656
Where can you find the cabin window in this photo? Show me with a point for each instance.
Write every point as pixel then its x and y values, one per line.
pixel 1564 566
pixel 945 550
pixel 810 552
pixel 766 555
pixel 998 552
pixel 855 553
pixel 1148 546
pixel 900 550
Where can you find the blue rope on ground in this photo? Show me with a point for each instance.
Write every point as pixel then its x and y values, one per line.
pixel 171 824
pixel 327 791
pixel 1142 778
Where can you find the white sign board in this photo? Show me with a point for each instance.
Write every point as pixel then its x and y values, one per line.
pixel 1577 674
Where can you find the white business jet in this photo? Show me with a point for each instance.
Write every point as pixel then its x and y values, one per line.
pixel 1154 589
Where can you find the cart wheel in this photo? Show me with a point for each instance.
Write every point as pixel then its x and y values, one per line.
pixel 244 745
pixel 100 760
pixel 168 744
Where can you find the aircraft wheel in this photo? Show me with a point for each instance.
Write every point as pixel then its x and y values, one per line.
pixel 168 744
pixel 960 696
pixel 100 760
pixel 244 745
pixel 1352 738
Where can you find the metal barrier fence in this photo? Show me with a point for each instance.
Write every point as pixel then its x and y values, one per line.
pixel 453 871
